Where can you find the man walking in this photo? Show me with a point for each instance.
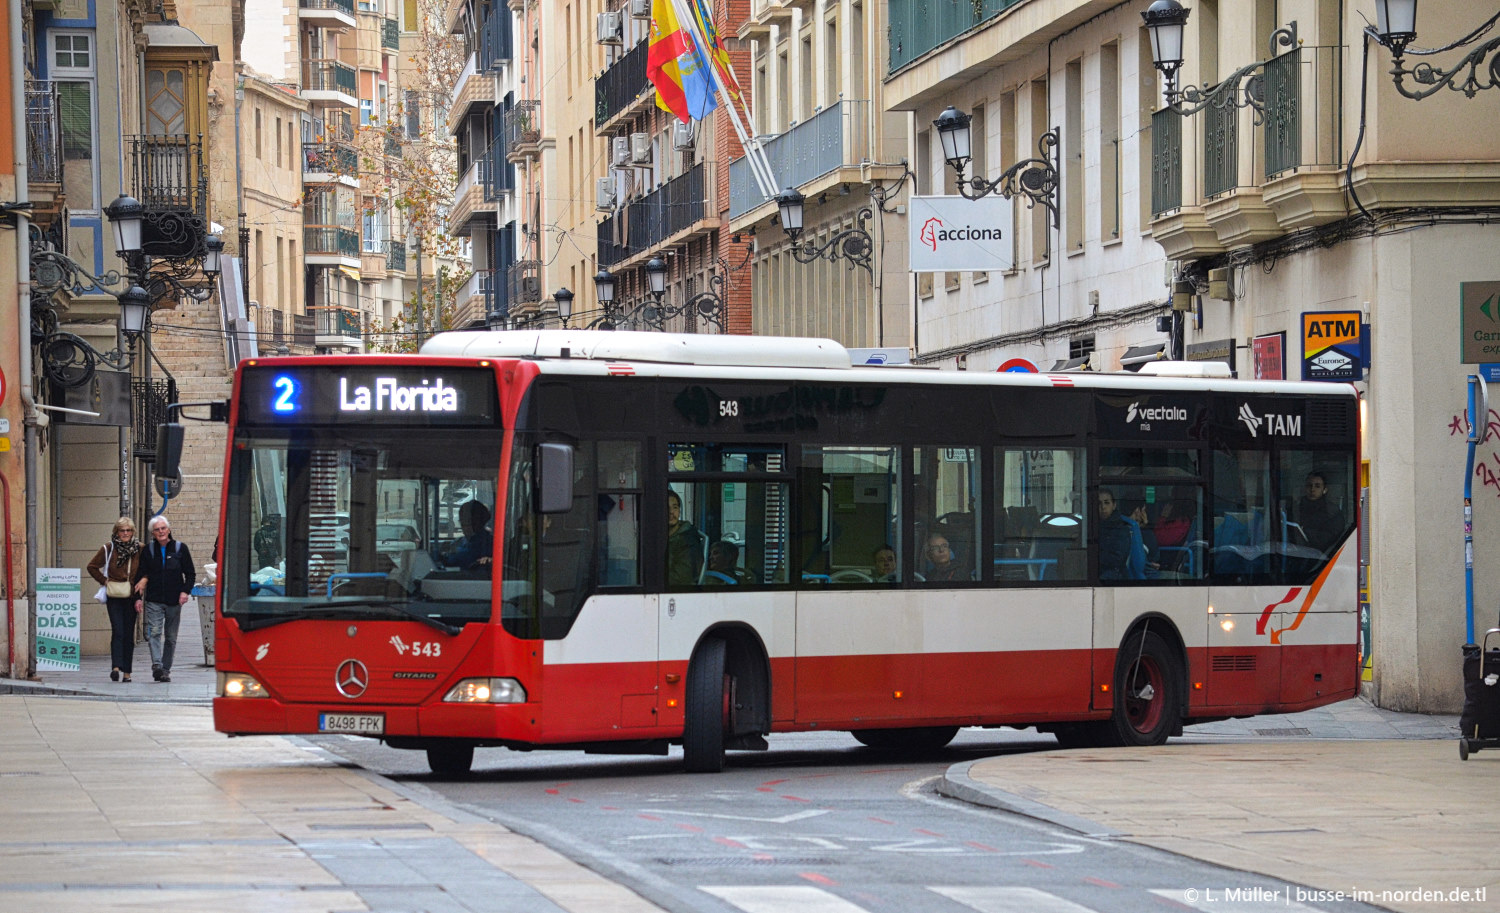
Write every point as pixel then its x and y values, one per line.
pixel 164 581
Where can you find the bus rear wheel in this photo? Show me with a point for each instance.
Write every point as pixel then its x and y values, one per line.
pixel 707 718
pixel 450 760
pixel 926 738
pixel 1148 698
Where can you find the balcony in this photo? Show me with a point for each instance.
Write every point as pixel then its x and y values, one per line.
pixel 475 298
pixel 523 130
pixel 681 208
pixel 1304 100
pixel 471 198
pixel 475 89
pixel 329 82
pixel 325 163
pixel 500 176
pixel 168 177
pixel 919 26
pixel 395 256
pixel 523 284
pixel 327 14
pixel 390 34
pixel 337 327
pixel 149 400
pixel 330 245
pixel 834 138
pixel 43 139
pixel 621 89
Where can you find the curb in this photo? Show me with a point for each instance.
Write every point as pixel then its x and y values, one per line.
pixel 956 783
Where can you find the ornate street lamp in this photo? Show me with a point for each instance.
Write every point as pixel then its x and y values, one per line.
pixel 1396 27
pixel 564 300
pixel 851 244
pixel 1035 178
pixel 126 216
pixel 1165 23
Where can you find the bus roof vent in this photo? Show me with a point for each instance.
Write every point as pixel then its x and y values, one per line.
pixel 622 345
pixel 1186 369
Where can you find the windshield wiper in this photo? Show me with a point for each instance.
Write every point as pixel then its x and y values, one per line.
pixel 338 610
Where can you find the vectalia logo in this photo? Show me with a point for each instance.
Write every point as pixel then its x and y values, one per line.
pixel 1155 413
pixel 930 230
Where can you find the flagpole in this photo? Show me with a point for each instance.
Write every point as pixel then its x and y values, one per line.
pixel 759 167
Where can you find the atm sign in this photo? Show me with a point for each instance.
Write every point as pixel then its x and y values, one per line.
pixel 1332 345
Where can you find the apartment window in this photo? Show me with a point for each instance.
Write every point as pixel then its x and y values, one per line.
pixel 831 58
pixel 166 101
pixel 1010 129
pixel 260 266
pixel 291 146
pixel 278 141
pixel 409 16
pixel 1081 346
pixel 413 114
pixel 366 112
pixel 979 145
pixel 807 76
pixel 1041 117
pixel 279 266
pixel 73 73
pixel 369 6
pixel 257 134
pixel 1072 149
pixel 1109 142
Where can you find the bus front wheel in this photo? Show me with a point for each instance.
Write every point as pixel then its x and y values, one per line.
pixel 1148 699
pixel 450 760
pixel 707 721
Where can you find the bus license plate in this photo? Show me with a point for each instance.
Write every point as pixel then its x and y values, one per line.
pixel 357 723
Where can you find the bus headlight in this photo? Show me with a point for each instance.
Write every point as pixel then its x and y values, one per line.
pixel 238 684
pixel 486 691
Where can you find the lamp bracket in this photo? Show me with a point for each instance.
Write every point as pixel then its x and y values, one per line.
pixel 883 195
pixel 70 361
pixel 1240 89
pixel 1477 75
pixel 851 244
pixel 1034 178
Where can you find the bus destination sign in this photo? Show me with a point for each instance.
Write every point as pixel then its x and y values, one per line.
pixel 379 394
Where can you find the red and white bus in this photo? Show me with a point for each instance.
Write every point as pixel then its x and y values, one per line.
pixel 705 540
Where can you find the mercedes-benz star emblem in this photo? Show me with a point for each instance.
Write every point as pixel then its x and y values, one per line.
pixel 352 678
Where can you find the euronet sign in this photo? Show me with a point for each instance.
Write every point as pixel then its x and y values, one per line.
pixel 952 233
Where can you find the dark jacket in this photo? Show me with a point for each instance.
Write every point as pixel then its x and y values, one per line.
pixel 166 578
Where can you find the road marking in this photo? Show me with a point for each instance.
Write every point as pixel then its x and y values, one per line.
pixel 784 819
pixel 782 899
pixel 1010 900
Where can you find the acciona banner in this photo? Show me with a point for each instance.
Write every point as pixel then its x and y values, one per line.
pixel 953 233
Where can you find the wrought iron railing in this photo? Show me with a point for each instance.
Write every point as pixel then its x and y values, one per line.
pixel 499 176
pixel 496 44
pixel 390 34
pixel 43 139
pixel 330 158
pixel 336 321
pixel 330 240
pixel 395 256
pixel 1304 110
pixel 149 400
pixel 328 76
pixel 343 6
pixel 304 328
pixel 524 282
pixel 621 83
pixel 837 135
pixel 1166 161
pixel 662 213
pixel 918 26
pixel 167 172
pixel 523 124
pixel 1221 140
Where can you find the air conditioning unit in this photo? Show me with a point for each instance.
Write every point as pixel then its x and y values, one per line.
pixel 640 9
pixel 640 148
pixel 604 189
pixel 620 147
pixel 682 136
pixel 611 27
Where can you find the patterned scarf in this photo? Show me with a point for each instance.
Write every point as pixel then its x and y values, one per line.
pixel 126 550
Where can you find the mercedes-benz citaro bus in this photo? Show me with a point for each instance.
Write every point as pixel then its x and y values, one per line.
pixel 620 541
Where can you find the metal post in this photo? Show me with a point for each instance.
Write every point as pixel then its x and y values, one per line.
pixel 421 320
pixel 1479 420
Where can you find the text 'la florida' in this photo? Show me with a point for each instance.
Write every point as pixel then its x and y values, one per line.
pixel 390 396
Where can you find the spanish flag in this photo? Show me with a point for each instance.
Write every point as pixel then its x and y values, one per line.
pixel 676 67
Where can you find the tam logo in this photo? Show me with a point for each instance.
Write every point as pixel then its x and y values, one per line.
pixel 930 230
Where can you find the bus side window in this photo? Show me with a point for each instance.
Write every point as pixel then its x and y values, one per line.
pixel 1039 515
pixel 618 476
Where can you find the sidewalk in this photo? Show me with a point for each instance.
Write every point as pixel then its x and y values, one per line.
pixel 126 805
pixel 1386 806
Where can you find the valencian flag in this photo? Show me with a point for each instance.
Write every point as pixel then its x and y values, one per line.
pixel 715 47
pixel 677 69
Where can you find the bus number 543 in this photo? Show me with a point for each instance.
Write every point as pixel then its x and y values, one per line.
pixel 728 407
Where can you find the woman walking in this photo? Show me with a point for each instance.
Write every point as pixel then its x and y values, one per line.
pixel 114 566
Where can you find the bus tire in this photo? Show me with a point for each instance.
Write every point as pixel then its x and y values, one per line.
pixel 707 718
pixel 925 738
pixel 450 759
pixel 1148 692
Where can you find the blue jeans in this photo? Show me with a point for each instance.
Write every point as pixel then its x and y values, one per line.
pixel 162 620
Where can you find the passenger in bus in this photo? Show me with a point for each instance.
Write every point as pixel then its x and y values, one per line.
pixel 1138 514
pixel 267 541
pixel 1322 523
pixel 942 565
pixel 477 547
pixel 723 565
pixel 884 567
pixel 1121 550
pixel 685 546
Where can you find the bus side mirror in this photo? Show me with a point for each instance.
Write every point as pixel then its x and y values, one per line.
pixel 169 438
pixel 554 478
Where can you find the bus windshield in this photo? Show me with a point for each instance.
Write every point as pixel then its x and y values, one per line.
pixel 360 523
